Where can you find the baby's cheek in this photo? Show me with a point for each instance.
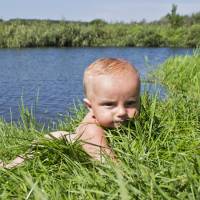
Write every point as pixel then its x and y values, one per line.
pixel 133 113
pixel 105 119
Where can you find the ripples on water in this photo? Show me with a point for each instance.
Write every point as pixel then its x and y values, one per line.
pixel 55 75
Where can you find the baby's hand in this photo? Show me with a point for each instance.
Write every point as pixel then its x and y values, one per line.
pixel 1 163
pixel 16 162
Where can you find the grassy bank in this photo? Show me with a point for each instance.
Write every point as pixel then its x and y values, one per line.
pixel 181 75
pixel 44 33
pixel 159 153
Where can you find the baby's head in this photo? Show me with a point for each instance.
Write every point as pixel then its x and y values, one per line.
pixel 112 91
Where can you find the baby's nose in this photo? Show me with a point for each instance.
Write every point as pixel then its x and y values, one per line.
pixel 121 112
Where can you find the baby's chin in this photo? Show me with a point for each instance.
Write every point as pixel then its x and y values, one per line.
pixel 117 124
pixel 111 126
pixel 123 123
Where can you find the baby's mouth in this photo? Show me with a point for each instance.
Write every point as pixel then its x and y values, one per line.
pixel 120 122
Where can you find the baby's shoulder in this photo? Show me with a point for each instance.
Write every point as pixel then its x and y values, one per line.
pixel 91 133
pixel 89 128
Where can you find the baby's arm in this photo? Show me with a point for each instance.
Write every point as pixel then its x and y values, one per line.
pixel 14 163
pixel 91 135
pixel 19 160
pixel 92 138
pixel 61 135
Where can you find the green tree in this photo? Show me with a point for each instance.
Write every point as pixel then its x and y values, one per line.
pixel 193 36
pixel 196 18
pixel 175 19
pixel 98 22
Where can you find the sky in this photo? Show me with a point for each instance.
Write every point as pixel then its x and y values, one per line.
pixel 87 10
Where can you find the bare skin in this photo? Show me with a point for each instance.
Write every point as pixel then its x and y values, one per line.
pixel 93 137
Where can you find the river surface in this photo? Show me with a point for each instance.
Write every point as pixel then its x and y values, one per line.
pixel 49 80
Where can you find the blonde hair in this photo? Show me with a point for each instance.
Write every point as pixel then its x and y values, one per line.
pixel 106 66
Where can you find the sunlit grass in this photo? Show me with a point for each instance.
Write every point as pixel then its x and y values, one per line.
pixel 181 74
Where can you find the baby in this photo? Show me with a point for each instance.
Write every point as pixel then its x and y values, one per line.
pixel 112 96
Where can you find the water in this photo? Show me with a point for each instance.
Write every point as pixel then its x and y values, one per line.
pixel 54 76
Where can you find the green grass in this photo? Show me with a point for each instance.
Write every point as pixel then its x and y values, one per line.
pixel 181 74
pixel 158 153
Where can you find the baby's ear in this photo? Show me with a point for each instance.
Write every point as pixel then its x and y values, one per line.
pixel 87 103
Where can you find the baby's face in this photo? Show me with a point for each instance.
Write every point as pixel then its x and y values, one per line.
pixel 115 99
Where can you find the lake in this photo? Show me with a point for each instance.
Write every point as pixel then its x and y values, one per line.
pixel 52 77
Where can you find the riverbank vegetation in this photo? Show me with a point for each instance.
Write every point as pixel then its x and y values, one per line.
pixel 158 153
pixel 172 30
pixel 181 75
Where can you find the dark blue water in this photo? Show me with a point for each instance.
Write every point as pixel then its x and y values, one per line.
pixel 52 77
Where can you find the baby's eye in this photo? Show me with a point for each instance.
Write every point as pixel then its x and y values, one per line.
pixel 108 104
pixel 130 103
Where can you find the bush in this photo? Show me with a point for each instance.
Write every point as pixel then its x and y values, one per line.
pixel 193 37
pixel 149 37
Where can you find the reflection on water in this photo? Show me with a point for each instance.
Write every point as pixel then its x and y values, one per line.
pixel 55 75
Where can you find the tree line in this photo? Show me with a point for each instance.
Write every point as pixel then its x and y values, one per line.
pixel 172 30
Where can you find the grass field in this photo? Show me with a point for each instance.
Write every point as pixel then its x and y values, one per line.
pixel 158 153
